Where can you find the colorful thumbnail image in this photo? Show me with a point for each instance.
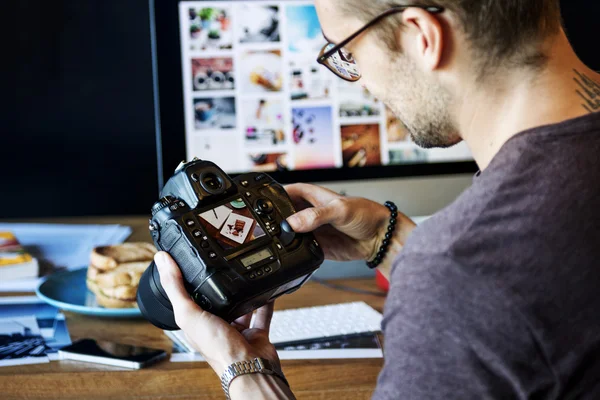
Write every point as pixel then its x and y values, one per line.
pixel 210 28
pixel 357 101
pixel 260 23
pixel 361 145
pixel 309 81
pixel 215 113
pixel 304 31
pixel 263 122
pixel 213 73
pixel 262 71
pixel 396 130
pixel 313 137
pixel 231 224
pixel 261 162
pixel 407 156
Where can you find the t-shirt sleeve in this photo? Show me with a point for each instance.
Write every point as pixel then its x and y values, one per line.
pixel 448 335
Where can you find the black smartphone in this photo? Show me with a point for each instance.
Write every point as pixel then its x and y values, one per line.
pixel 110 353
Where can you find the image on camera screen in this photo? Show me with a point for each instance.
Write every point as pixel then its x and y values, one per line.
pixel 231 224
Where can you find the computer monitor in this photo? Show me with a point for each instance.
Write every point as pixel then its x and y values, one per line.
pixel 237 83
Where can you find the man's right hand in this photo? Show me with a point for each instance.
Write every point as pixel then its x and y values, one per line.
pixel 347 228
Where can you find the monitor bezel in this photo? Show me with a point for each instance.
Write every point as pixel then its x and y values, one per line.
pixel 171 146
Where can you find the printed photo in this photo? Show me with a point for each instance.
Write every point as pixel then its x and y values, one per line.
pixel 309 81
pixel 260 23
pixel 215 113
pixel 210 28
pixel 21 341
pixel 304 31
pixel 213 73
pixel 261 162
pixel 231 224
pixel 261 71
pixel 396 131
pixel 356 101
pixel 51 323
pixel 313 137
pixel 407 156
pixel 361 145
pixel 263 122
pixel 364 341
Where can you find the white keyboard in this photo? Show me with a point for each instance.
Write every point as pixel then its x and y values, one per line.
pixel 323 321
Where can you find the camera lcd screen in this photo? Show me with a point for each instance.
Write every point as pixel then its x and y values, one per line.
pixel 231 224
pixel 256 257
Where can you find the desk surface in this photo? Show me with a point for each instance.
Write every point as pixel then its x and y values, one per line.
pixel 309 379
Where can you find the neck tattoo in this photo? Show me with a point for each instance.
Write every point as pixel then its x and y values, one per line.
pixel 589 91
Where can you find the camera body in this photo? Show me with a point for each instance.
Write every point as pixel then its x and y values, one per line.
pixel 231 241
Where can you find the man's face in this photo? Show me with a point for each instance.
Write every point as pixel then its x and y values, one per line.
pixel 415 96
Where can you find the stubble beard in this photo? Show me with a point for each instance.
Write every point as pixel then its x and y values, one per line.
pixel 422 107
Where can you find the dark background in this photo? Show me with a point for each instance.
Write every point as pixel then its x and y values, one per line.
pixel 78 136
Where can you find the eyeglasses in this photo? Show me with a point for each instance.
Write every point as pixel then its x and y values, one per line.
pixel 339 61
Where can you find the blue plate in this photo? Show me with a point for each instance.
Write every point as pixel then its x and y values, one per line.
pixel 67 290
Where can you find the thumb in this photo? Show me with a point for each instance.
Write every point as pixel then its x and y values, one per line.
pixel 172 281
pixel 312 218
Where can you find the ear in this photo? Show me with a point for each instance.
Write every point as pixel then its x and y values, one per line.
pixel 426 37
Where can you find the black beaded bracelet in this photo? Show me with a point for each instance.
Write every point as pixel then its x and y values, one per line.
pixel 388 236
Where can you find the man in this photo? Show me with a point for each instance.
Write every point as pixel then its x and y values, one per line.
pixel 496 296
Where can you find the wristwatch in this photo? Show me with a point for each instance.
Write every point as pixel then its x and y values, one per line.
pixel 255 366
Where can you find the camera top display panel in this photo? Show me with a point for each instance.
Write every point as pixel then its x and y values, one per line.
pixel 231 224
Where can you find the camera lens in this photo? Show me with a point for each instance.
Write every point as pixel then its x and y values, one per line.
pixel 212 182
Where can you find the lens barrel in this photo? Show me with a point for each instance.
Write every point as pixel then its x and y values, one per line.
pixel 153 301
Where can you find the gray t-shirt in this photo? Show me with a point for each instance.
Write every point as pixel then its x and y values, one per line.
pixel 498 295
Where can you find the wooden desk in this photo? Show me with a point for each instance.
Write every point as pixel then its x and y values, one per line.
pixel 310 379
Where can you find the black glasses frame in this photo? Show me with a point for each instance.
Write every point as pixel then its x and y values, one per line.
pixel 322 59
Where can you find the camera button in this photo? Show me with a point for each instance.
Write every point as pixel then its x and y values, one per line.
pixel 212 254
pixel 174 207
pixel 190 222
pixel 259 272
pixel 267 269
pixel 248 194
pixel 279 246
pixel 264 206
pixel 244 183
pixel 196 233
pixel 205 245
pixel 252 275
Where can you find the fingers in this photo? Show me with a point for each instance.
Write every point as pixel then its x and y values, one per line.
pixel 172 282
pixel 263 316
pixel 242 322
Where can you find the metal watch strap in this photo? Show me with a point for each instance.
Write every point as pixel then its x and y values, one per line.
pixel 255 366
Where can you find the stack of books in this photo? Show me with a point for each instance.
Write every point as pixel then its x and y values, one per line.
pixel 15 262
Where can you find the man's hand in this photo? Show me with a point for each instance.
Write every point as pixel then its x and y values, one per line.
pixel 347 228
pixel 220 343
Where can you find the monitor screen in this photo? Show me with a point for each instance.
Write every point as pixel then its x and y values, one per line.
pixel 255 99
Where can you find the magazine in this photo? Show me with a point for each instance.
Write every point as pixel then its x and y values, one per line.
pixel 366 345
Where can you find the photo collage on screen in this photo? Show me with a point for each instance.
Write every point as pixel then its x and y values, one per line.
pixel 257 100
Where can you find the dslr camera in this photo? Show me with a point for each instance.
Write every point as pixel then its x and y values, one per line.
pixel 231 241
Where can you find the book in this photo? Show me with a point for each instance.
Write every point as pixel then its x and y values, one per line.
pixel 15 262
